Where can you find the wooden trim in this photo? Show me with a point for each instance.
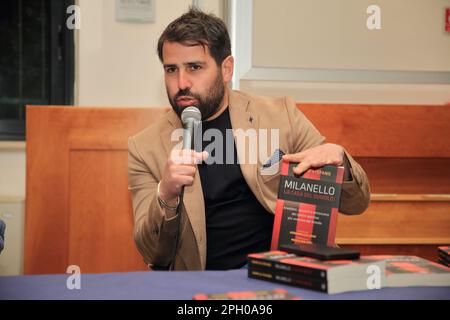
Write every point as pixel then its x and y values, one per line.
pixel 12 145
pixel 409 197
pixel 12 199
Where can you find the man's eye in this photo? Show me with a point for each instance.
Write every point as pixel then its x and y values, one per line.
pixel 194 67
pixel 170 70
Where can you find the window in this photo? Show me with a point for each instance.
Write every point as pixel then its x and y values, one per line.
pixel 36 60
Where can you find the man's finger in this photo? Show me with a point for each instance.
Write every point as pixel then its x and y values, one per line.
pixel 201 156
pixel 184 170
pixel 294 157
pixel 302 167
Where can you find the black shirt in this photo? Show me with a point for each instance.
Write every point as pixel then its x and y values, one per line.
pixel 236 223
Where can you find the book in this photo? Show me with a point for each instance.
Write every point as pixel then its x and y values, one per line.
pixel 444 263
pixel 409 271
pixel 320 251
pixel 331 276
pixel 322 285
pixel 444 254
pixel 275 294
pixel 329 270
pixel 307 205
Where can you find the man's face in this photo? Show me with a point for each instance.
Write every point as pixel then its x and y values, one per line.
pixel 192 78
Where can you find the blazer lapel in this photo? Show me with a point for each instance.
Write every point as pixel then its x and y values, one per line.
pixel 243 118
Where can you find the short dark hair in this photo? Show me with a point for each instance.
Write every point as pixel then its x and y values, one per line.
pixel 198 28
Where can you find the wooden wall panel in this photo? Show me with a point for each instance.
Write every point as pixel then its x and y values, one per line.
pixel 100 218
pixel 78 209
pixel 388 131
pixel 425 251
pixel 408 175
pixel 397 222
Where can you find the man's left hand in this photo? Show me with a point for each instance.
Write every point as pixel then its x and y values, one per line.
pixel 317 157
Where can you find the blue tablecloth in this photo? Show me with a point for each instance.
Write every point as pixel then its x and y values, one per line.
pixel 179 286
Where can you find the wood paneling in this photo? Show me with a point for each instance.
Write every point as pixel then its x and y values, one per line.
pixel 408 175
pixel 78 209
pixel 425 251
pixel 383 130
pixel 100 218
pixel 397 222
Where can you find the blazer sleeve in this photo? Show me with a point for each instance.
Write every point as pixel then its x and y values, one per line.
pixel 355 196
pixel 154 232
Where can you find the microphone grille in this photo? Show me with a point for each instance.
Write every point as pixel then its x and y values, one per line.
pixel 191 113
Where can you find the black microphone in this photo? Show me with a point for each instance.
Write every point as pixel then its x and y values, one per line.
pixel 189 117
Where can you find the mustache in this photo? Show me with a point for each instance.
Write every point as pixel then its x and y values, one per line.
pixel 184 92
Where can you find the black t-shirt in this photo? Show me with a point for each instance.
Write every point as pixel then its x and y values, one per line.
pixel 236 223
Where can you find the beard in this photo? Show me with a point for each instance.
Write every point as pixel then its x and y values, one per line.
pixel 208 104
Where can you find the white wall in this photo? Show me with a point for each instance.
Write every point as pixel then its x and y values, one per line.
pixel 322 51
pixel 117 64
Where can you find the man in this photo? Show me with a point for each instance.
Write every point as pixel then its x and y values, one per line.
pixel 228 208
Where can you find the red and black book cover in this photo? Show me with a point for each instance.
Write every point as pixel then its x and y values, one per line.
pixel 312 268
pixel 276 260
pixel 288 278
pixel 307 205
pixel 444 263
pixel 404 271
pixel 275 294
pixel 444 254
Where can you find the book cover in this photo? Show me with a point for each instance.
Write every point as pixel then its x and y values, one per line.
pixel 444 263
pixel 444 252
pixel 408 271
pixel 443 257
pixel 313 268
pixel 275 294
pixel 288 278
pixel 307 205
pixel 310 283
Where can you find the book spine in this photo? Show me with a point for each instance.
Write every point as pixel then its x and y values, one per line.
pixel 286 278
pixel 278 210
pixel 283 267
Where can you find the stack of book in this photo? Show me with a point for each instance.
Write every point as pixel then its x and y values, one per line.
pixel 411 271
pixel 334 276
pixel 444 255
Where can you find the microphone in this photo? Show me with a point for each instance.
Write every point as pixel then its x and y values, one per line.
pixel 189 117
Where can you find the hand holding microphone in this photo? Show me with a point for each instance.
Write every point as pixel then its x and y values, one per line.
pixel 181 167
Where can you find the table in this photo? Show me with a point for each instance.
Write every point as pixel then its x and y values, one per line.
pixel 181 285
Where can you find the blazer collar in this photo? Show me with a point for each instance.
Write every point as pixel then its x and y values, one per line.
pixel 243 117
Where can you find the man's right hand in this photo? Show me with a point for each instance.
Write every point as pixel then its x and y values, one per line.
pixel 179 171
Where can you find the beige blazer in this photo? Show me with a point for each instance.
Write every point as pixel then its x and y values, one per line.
pixel 148 152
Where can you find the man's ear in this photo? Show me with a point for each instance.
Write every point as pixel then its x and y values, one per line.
pixel 227 68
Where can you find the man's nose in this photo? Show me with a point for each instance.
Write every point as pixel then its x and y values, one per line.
pixel 183 80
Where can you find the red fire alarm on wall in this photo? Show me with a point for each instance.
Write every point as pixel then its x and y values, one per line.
pixel 447 20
